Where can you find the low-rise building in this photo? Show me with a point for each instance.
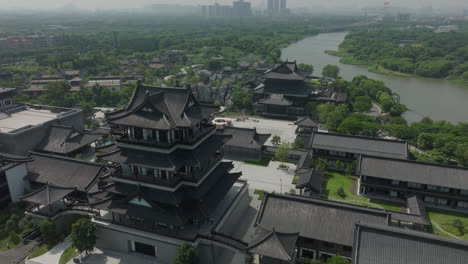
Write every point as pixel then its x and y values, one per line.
pixel 438 185
pixel 245 143
pixel 348 148
pixel 13 172
pixel 22 127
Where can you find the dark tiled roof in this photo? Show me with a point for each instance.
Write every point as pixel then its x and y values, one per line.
pixel 47 194
pixel 305 161
pixel 299 89
pixel 6 90
pixel 416 206
pixel 108 148
pixel 311 179
pixel 276 99
pixel 65 139
pixel 359 145
pixel 62 171
pixel 413 171
pixel 13 158
pixel 245 137
pixel 390 245
pixel 169 108
pixel 273 244
pixel 306 122
pixel 284 71
pixel 316 219
pixel 173 161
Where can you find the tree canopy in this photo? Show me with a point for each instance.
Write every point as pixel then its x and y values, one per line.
pixel 186 255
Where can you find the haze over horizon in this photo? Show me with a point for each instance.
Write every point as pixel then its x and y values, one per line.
pixel 116 4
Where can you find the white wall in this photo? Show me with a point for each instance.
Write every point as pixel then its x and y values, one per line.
pixel 16 182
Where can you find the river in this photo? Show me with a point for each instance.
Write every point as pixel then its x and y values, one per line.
pixel 438 98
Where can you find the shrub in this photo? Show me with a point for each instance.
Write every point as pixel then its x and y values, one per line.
pixel 340 192
pixel 48 233
pixel 459 226
pixel 14 239
pixel 292 191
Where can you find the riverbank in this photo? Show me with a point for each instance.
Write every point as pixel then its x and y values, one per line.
pixel 347 58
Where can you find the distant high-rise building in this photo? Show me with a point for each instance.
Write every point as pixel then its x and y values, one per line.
pixel 270 6
pixel 283 4
pixel 276 7
pixel 241 8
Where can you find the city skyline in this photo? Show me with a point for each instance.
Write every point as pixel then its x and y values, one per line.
pixel 116 4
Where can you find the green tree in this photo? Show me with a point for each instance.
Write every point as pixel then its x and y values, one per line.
pixel 88 112
pixel 322 164
pixel 56 95
pixel 362 104
pixel 282 152
pixel 48 231
pixel 337 260
pixel 462 154
pixel 338 164
pixel 186 255
pixel 242 99
pixel 276 140
pixel 83 235
pixel 337 116
pixel 331 71
pixel 425 141
pixel 306 67
pixel 298 143
pixel 310 109
pixel 214 65
pixel 348 169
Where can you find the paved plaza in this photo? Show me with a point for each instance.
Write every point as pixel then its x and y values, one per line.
pixel 284 129
pixel 105 256
pixel 270 179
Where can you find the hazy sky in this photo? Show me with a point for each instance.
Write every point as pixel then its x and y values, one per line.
pixel 104 4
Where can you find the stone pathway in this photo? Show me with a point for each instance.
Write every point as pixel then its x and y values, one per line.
pixel 105 256
pixel 18 254
pixel 53 255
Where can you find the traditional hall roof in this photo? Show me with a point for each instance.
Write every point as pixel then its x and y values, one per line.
pixel 63 171
pixel 285 71
pixel 245 137
pixel 391 245
pixel 316 219
pixel 414 171
pixel 359 145
pixel 162 108
pixel 65 139
pixel 47 194
pixel 276 99
pixel 13 158
pixel 171 161
pixel 273 244
pixel 300 89
pixel 311 179
pixel 306 121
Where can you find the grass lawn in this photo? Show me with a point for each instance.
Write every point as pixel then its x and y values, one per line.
pixel 41 250
pixel 445 220
pixel 263 162
pixel 295 179
pixel 68 254
pixel 5 246
pixel 334 180
pixel 260 193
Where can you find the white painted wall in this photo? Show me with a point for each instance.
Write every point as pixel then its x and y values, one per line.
pixel 16 182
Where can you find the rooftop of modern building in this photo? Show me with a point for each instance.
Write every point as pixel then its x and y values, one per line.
pixel 21 117
pixel 359 145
